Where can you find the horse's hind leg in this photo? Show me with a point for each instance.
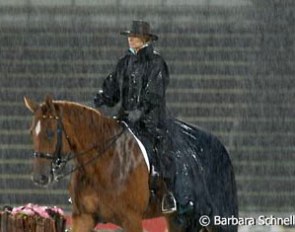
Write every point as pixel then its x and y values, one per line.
pixel 175 227
pixel 83 223
pixel 219 229
pixel 172 225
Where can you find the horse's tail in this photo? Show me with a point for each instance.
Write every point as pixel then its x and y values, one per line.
pixel 228 201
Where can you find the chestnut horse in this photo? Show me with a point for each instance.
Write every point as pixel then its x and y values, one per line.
pixel 110 181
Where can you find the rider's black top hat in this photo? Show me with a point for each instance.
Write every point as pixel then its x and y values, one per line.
pixel 140 28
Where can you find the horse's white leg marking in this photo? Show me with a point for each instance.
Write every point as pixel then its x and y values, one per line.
pixel 38 128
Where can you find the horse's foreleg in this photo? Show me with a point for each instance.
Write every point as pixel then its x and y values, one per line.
pixel 83 223
pixel 132 224
pixel 133 227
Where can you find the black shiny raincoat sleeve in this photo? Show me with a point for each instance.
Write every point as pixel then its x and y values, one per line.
pixel 111 91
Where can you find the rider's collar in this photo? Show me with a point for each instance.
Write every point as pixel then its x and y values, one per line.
pixel 133 51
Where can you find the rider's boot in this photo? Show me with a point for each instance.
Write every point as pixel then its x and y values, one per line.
pixel 166 170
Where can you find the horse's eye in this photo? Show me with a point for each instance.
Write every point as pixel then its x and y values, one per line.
pixel 49 134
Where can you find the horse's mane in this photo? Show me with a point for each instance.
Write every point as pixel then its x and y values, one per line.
pixel 75 106
pixel 85 114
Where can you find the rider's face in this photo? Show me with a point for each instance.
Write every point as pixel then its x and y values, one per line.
pixel 135 42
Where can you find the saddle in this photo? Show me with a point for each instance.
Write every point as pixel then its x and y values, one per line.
pixel 161 158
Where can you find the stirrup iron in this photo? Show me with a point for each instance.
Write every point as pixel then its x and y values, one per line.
pixel 172 209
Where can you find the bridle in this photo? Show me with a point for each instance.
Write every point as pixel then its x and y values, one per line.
pixel 56 156
pixel 59 160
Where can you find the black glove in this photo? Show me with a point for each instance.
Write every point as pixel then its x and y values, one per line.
pixel 129 116
pixel 134 115
pixel 98 99
pixel 122 115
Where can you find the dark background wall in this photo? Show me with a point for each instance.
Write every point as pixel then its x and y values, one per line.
pixel 232 73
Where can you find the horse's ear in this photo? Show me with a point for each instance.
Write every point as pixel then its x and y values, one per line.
pixel 48 100
pixel 30 104
pixel 49 103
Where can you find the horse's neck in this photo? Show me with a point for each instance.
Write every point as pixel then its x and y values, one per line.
pixel 93 137
pixel 88 127
pixel 116 151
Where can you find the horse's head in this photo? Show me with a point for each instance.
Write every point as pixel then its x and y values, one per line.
pixel 47 133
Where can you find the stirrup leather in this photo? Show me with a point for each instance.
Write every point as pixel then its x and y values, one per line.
pixel 173 208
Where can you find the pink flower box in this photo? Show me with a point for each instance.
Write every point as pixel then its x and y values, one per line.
pixel 32 218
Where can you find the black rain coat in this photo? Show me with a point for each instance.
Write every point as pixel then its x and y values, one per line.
pixel 197 163
pixel 139 84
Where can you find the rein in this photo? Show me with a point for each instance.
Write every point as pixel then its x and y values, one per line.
pixel 100 152
pixel 59 162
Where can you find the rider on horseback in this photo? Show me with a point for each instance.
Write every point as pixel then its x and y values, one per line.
pixel 139 83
